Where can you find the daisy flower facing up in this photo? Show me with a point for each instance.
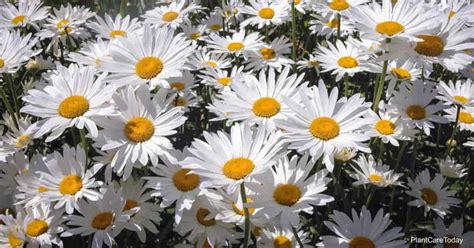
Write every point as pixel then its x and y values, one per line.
pixel 284 192
pixel 172 15
pixel 371 172
pixel 461 93
pixel 430 194
pixel 265 13
pixel 42 225
pixel 110 28
pixel 27 13
pixel 139 133
pixel 74 98
pixel 16 139
pixel 342 59
pixel 11 233
pixel 151 55
pixel 350 233
pixel 257 100
pixel 449 168
pixel 273 55
pixel 229 160
pixel 239 43
pixel 455 230
pixel 323 124
pixel 15 50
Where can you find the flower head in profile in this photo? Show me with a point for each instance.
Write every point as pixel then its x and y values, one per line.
pixel 368 171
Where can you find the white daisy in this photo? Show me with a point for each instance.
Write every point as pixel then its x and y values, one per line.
pixel 91 54
pixel 337 6
pixel 231 207
pixel 110 28
pixel 220 79
pixel 183 83
pixel 454 235
pixel 42 225
pixel 310 63
pixel 449 168
pixel 263 13
pixel 273 55
pixel 203 59
pixel 14 165
pixel 16 138
pixel 194 33
pixel 15 50
pixel 282 238
pixel 28 13
pixel 172 15
pixel 214 23
pixel 11 233
pixel 461 93
pixel 239 43
pixel 399 71
pixel 376 173
pixel 326 25
pixel 465 118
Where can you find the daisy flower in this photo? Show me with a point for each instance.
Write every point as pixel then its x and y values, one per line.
pixel 258 100
pixel 281 238
pixel 287 190
pixel 182 83
pixel 203 59
pixel 338 6
pixel 239 43
pixel 15 50
pixel 214 23
pixel 230 159
pixel 38 63
pixel 345 154
pixel 461 93
pixel 91 54
pixel 273 55
pixel 342 59
pixel 350 234
pixel 371 172
pixel 42 225
pixel 453 235
pixel 139 133
pixel 326 25
pixel 300 5
pixel 449 168
pixel 11 233
pixel 110 28
pixel 265 13
pixel 31 188
pixel 16 138
pixel 465 118
pixel 74 98
pixel 310 63
pixel 400 71
pixel 185 99
pixel 231 207
pixel 28 13
pixel 220 79
pixel 430 194
pixel 323 124
pixel 194 33
pixel 149 56
pixel 230 10
pixel 172 15
pixel 14 165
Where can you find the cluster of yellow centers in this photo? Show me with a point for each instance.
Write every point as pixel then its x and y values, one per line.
pixel 102 220
pixel 73 106
pixel 385 127
pixel 139 129
pixel 324 128
pixel 225 81
pixel 235 46
pixel 416 112
pixel 70 184
pixel 432 45
pixel 389 28
pixel 36 227
pixel 347 62
pixel 148 67
pixel 266 13
pixel 169 16
pixel 117 33
pixel 18 19
pixel 401 73
pixel 267 53
pixel 266 107
pixel 339 5
pixel 238 168
pixel 281 241
pixel 429 196
pixel 201 215
pixel 185 181
pixel 361 242
pixel 287 194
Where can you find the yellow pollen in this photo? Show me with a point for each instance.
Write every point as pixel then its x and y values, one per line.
pixel 13 241
pixel 282 242
pixel 129 204
pixel 374 178
pixel 139 129
pixel 215 27
pixel 241 212
pixel 36 227
pixel 461 99
pixel 148 67
pixel 431 45
pixel 332 23
pixel 66 30
pixel 211 63
pixel 416 112
pixel 429 196
pixel 389 28
pixel 339 5
pixel 266 13
pixel 267 53
pixel 73 106
pixel 224 80
pixel 177 86
pixel 62 24
pixel 22 141
pixel 385 127
pixel 70 184
pixel 401 73
pixel 324 128
pixel 235 46
pixel 466 117
pixel 266 107
pixel 169 16
pixel 347 62
pixel 297 2
pixel 2 63
pixel 185 181
pixel 257 231
pixel 201 217
pixel 102 220
pixel 42 189
pixel 98 61
pixel 451 14
pixel 18 19
pixel 195 36
pixel 361 242
pixel 117 33
pixel 287 194
pixel 180 102
pixel 238 168
pixel 313 62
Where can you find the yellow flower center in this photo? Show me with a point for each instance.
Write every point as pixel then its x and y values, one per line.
pixel 211 63
pixel 139 129
pixel 169 16
pixel 215 27
pixel 429 196
pixel 266 13
pixel 416 112
pixel 102 220
pixel 333 23
pixel 2 63
pixel 339 5
pixel 201 217
pixel 347 62
pixel 324 128
pixel 18 19
pixel 313 62
pixel 148 67
pixel 177 85
pixel 66 30
pixel 361 242
pixel 238 168
pixel 185 181
pixel 73 106
pixel 36 227
pixel 375 178
pixel 22 141
pixel 235 46
pixel 466 117
pixel 224 80
pixel 195 36
pixel 297 2
pixel 13 241
pixel 266 107
pixel 129 204
pixel 451 14
pixel 241 212
pixel 116 32
pixel 62 23
pixel 267 53
pixel 389 28
pixel 282 242
pixel 98 61
pixel 385 127
pixel 42 189
pixel 180 102
pixel 401 73
pixel 431 45
pixel 70 185
pixel 461 99
pixel 287 194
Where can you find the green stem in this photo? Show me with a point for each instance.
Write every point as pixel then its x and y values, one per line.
pixel 247 216
pixel 346 85
pixel 8 106
pixel 369 198
pixel 123 7
pixel 293 30
pixel 84 142
pixel 397 164
pixel 338 31
pixel 11 86
pixel 453 134
pixel 295 233
pixel 379 86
